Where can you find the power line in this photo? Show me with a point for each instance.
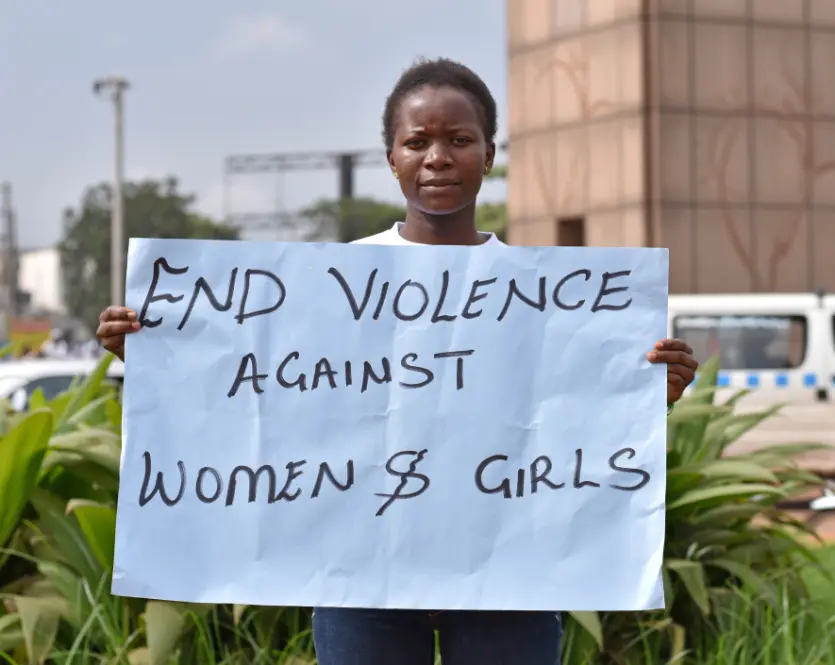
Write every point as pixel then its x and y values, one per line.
pixel 344 163
pixel 302 161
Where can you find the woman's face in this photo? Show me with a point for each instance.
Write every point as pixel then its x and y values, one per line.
pixel 439 151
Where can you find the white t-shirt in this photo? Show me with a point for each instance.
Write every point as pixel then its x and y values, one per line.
pixel 393 236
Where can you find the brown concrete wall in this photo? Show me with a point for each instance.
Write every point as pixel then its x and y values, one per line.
pixel 575 97
pixel 744 184
pixel 748 144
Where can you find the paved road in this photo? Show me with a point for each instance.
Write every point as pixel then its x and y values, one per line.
pixel 800 423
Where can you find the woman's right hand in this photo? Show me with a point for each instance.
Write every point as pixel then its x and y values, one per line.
pixel 114 324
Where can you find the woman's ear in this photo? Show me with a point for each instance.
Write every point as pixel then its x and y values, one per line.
pixel 391 164
pixel 490 156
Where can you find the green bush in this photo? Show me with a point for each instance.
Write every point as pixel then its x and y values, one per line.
pixel 724 532
pixel 747 631
pixel 59 477
pixel 726 542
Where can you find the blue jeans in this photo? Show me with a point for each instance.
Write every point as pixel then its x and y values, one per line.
pixel 406 637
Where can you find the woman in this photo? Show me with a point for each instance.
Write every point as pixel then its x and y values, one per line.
pixel 439 127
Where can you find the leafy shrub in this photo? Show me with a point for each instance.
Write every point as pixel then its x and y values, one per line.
pixel 726 541
pixel 59 478
pixel 724 531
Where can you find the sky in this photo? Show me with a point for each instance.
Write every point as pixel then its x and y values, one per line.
pixel 211 79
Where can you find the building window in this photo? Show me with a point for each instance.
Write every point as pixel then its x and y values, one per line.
pixel 571 232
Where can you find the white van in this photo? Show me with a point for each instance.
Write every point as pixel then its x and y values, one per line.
pixel 779 346
pixel 19 379
pixel 829 309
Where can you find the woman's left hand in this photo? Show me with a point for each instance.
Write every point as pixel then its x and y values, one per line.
pixel 681 366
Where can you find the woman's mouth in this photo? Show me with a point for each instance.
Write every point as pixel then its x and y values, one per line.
pixel 440 185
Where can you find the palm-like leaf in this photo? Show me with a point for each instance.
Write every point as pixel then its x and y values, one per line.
pixel 723 526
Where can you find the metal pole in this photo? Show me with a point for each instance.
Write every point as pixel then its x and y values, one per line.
pixel 116 86
pixel 117 222
pixel 10 258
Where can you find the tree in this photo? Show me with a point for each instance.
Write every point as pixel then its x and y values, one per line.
pixel 351 219
pixel 492 217
pixel 498 172
pixel 153 209
pixel 347 220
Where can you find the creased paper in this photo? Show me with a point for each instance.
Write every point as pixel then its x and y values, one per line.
pixel 394 426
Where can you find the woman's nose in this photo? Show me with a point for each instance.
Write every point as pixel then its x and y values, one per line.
pixel 437 157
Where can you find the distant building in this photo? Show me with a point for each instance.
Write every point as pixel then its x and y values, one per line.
pixel 40 278
pixel 705 126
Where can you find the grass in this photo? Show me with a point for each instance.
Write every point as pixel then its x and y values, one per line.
pixel 754 633
pixel 750 632
pixel 822 589
pixel 212 640
pixel 796 632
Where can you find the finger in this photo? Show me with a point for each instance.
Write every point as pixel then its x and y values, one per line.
pixel 673 345
pixel 114 313
pixel 114 328
pixel 680 374
pixel 114 346
pixel 672 357
pixel 675 390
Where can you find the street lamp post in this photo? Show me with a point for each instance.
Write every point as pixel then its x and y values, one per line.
pixel 114 88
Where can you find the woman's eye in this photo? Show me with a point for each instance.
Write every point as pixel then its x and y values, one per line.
pixel 461 140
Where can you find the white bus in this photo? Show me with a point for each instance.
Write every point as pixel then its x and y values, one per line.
pixel 779 346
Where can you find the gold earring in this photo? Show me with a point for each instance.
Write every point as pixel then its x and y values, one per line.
pixel 396 175
pixel 487 170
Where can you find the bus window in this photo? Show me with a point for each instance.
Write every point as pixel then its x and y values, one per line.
pixel 745 342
